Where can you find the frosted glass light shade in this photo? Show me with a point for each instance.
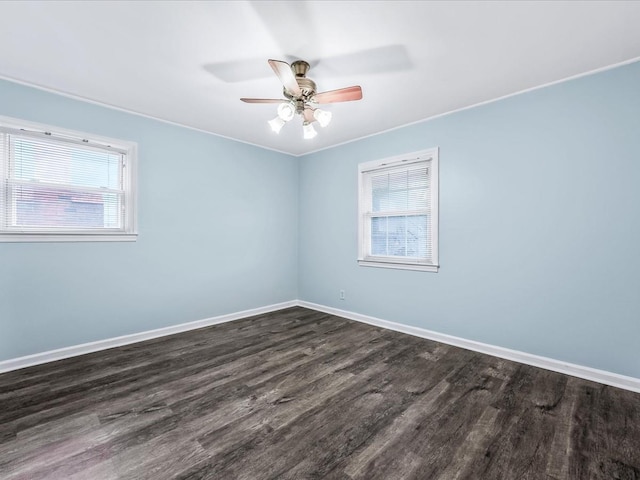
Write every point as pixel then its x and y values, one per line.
pixel 276 124
pixel 322 116
pixel 286 111
pixel 308 131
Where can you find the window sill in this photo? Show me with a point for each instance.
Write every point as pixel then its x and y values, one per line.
pixel 400 266
pixel 67 237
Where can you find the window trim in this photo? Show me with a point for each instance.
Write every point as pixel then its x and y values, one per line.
pixel 128 233
pixel 363 240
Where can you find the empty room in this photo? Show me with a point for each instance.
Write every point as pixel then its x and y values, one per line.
pixel 349 240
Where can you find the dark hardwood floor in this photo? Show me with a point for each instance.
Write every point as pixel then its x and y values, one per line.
pixel 298 394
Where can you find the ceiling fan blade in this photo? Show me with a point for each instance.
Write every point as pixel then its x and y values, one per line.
pixel 341 95
pixel 262 100
pixel 293 26
pixel 308 115
pixel 286 76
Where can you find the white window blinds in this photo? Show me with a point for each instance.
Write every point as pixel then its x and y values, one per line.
pixel 399 213
pixel 398 223
pixel 60 185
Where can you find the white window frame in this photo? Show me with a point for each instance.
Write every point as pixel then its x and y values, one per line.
pixel 364 215
pixel 127 233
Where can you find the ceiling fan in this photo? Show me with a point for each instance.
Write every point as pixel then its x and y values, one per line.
pixel 301 97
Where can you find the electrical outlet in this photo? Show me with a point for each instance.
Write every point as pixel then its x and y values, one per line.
pixel 341 294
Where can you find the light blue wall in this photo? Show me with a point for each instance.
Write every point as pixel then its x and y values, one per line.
pixel 539 230
pixel 539 225
pixel 218 234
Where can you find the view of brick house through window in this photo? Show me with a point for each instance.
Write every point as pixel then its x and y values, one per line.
pixel 43 204
pixel 58 185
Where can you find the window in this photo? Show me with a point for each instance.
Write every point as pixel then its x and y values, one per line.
pixel 59 185
pixel 398 212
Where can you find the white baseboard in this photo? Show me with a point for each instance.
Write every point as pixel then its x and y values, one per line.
pixel 587 373
pixel 75 350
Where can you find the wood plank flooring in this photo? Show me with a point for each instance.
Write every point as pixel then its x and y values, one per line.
pixel 299 394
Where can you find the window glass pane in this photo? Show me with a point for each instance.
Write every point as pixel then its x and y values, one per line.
pixel 400 190
pixel 38 206
pixel 397 195
pixel 417 236
pixel 379 236
pixel 417 177
pixel 67 164
pixel 402 236
pixel 397 232
pixel 379 191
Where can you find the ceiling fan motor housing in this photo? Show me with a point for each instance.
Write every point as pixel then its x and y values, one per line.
pixel 308 86
pixel 300 68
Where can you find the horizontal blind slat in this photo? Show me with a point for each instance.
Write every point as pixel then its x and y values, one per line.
pixel 58 207
pixel 4 155
pixel 34 159
pixel 59 186
pixel 85 141
pixel 400 189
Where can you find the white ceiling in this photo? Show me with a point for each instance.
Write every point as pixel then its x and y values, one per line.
pixel 190 62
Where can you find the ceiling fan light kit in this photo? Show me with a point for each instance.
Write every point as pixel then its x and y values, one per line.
pixel 302 99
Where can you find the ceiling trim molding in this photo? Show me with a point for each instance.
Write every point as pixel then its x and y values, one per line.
pixel 479 104
pixel 133 112
pixel 433 117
